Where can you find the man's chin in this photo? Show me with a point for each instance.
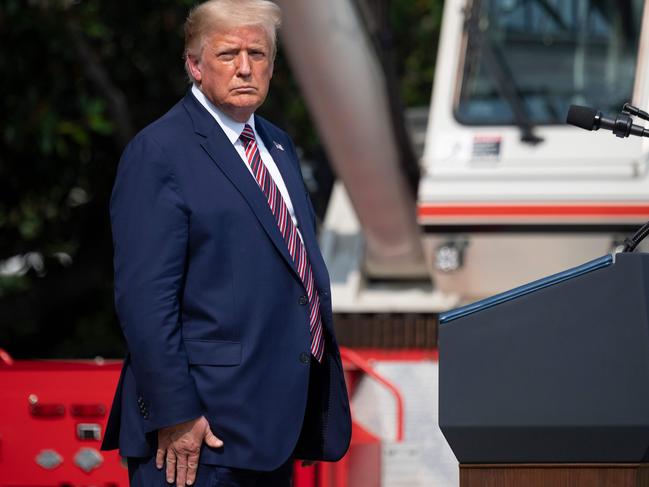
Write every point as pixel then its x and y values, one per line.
pixel 245 100
pixel 243 103
pixel 241 112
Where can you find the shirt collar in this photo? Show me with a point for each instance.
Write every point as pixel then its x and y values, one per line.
pixel 232 128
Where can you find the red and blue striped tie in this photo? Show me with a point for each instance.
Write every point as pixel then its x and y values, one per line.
pixel 291 237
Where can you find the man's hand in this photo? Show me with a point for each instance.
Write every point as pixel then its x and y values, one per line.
pixel 180 446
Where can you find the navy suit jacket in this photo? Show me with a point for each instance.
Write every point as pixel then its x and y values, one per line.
pixel 210 302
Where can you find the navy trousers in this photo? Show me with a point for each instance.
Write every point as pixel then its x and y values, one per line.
pixel 142 472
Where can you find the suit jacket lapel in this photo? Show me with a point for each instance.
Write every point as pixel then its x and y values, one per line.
pixel 227 159
pixel 297 192
pixel 286 168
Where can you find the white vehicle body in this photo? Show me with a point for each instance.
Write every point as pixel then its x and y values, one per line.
pixel 523 211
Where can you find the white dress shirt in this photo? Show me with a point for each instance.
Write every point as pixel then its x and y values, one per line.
pixel 233 130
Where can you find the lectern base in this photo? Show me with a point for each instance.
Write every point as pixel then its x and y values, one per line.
pixel 555 475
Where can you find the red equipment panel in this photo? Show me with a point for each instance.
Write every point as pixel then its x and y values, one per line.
pixel 54 412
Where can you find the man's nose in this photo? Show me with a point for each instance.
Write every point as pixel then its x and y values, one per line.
pixel 244 64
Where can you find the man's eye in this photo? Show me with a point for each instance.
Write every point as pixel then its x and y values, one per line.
pixel 226 56
pixel 257 55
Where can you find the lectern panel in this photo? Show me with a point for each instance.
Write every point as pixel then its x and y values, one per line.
pixel 559 373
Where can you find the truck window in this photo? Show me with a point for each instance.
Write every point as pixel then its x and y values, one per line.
pixel 531 59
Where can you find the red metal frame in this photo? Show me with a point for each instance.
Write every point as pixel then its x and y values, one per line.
pixel 397 355
pixel 364 365
pixel 363 460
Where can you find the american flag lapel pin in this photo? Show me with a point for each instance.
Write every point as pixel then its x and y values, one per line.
pixel 278 145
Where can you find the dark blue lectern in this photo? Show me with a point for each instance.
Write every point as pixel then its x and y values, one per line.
pixel 556 371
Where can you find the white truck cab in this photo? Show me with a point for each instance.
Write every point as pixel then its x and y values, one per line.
pixel 509 192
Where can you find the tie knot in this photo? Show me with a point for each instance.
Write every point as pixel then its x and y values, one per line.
pixel 247 134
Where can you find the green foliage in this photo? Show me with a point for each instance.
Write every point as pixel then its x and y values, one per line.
pixel 13 284
pixel 79 79
pixel 416 25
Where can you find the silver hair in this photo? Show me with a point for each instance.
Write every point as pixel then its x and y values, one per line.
pixel 214 16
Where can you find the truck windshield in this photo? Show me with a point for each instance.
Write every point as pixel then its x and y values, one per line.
pixel 527 61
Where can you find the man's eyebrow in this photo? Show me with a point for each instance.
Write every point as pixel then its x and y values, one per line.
pixel 226 48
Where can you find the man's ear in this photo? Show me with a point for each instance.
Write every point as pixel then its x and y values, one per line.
pixel 193 66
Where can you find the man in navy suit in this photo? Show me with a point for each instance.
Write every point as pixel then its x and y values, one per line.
pixel 233 370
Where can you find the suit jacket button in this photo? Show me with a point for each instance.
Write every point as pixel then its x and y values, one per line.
pixel 304 358
pixel 303 300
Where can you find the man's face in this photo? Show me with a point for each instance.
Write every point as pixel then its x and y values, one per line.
pixel 234 70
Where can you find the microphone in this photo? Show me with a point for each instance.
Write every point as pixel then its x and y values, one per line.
pixel 636 112
pixel 591 119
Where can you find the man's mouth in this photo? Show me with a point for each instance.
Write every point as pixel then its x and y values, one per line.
pixel 244 89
